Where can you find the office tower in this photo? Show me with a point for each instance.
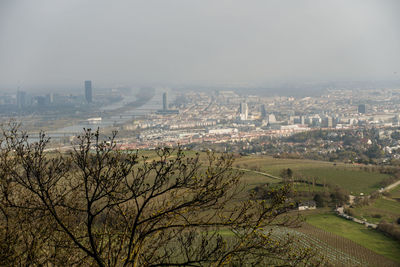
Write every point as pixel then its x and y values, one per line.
pixel 51 97
pixel 165 110
pixel 271 118
pixel 327 122
pixel 165 101
pixel 263 111
pixel 302 120
pixel 396 119
pixel 244 111
pixel 361 108
pixel 21 95
pixel 41 101
pixel 88 91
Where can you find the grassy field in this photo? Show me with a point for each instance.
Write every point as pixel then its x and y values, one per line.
pixel 308 187
pixel 350 177
pixel 355 181
pixel 358 233
pixel 252 179
pixel 395 192
pixel 380 209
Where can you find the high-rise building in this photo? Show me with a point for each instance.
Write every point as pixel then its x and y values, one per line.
pixel 165 101
pixel 165 110
pixel 41 101
pixel 244 111
pixel 21 99
pixel 50 98
pixel 302 120
pixel 327 122
pixel 361 109
pixel 263 111
pixel 88 91
pixel 396 120
pixel 271 118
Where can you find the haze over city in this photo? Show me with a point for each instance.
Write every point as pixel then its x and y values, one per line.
pixel 54 45
pixel 200 133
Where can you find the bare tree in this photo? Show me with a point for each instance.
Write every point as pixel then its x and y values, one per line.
pixel 98 205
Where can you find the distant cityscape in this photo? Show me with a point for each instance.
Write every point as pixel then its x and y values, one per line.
pixel 199 118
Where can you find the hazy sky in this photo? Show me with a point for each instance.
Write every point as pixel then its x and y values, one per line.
pixel 60 43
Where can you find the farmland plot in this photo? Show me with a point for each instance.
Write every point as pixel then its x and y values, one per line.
pixel 332 249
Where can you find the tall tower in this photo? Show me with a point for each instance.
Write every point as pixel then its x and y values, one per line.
pixel 361 108
pixel 88 91
pixel 21 101
pixel 263 111
pixel 244 111
pixel 165 101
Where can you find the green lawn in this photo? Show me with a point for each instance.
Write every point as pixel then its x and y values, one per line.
pixel 388 205
pixel 358 233
pixel 355 181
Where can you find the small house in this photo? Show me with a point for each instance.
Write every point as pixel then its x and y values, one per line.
pixel 307 205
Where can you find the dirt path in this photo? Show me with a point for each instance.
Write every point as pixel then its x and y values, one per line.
pixel 387 188
pixel 258 172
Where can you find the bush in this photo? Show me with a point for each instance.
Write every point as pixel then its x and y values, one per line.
pixel 339 195
pixel 319 200
pixel 388 181
pixel 389 229
pixel 352 212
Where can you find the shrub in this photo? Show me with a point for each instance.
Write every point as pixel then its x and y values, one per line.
pixel 389 229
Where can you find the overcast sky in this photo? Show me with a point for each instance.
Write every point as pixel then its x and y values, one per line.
pixel 60 43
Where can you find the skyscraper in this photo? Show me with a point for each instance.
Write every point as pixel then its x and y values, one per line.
pixel 165 101
pixel 165 109
pixel 21 101
pixel 361 108
pixel 244 111
pixel 263 111
pixel 88 91
pixel 302 120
